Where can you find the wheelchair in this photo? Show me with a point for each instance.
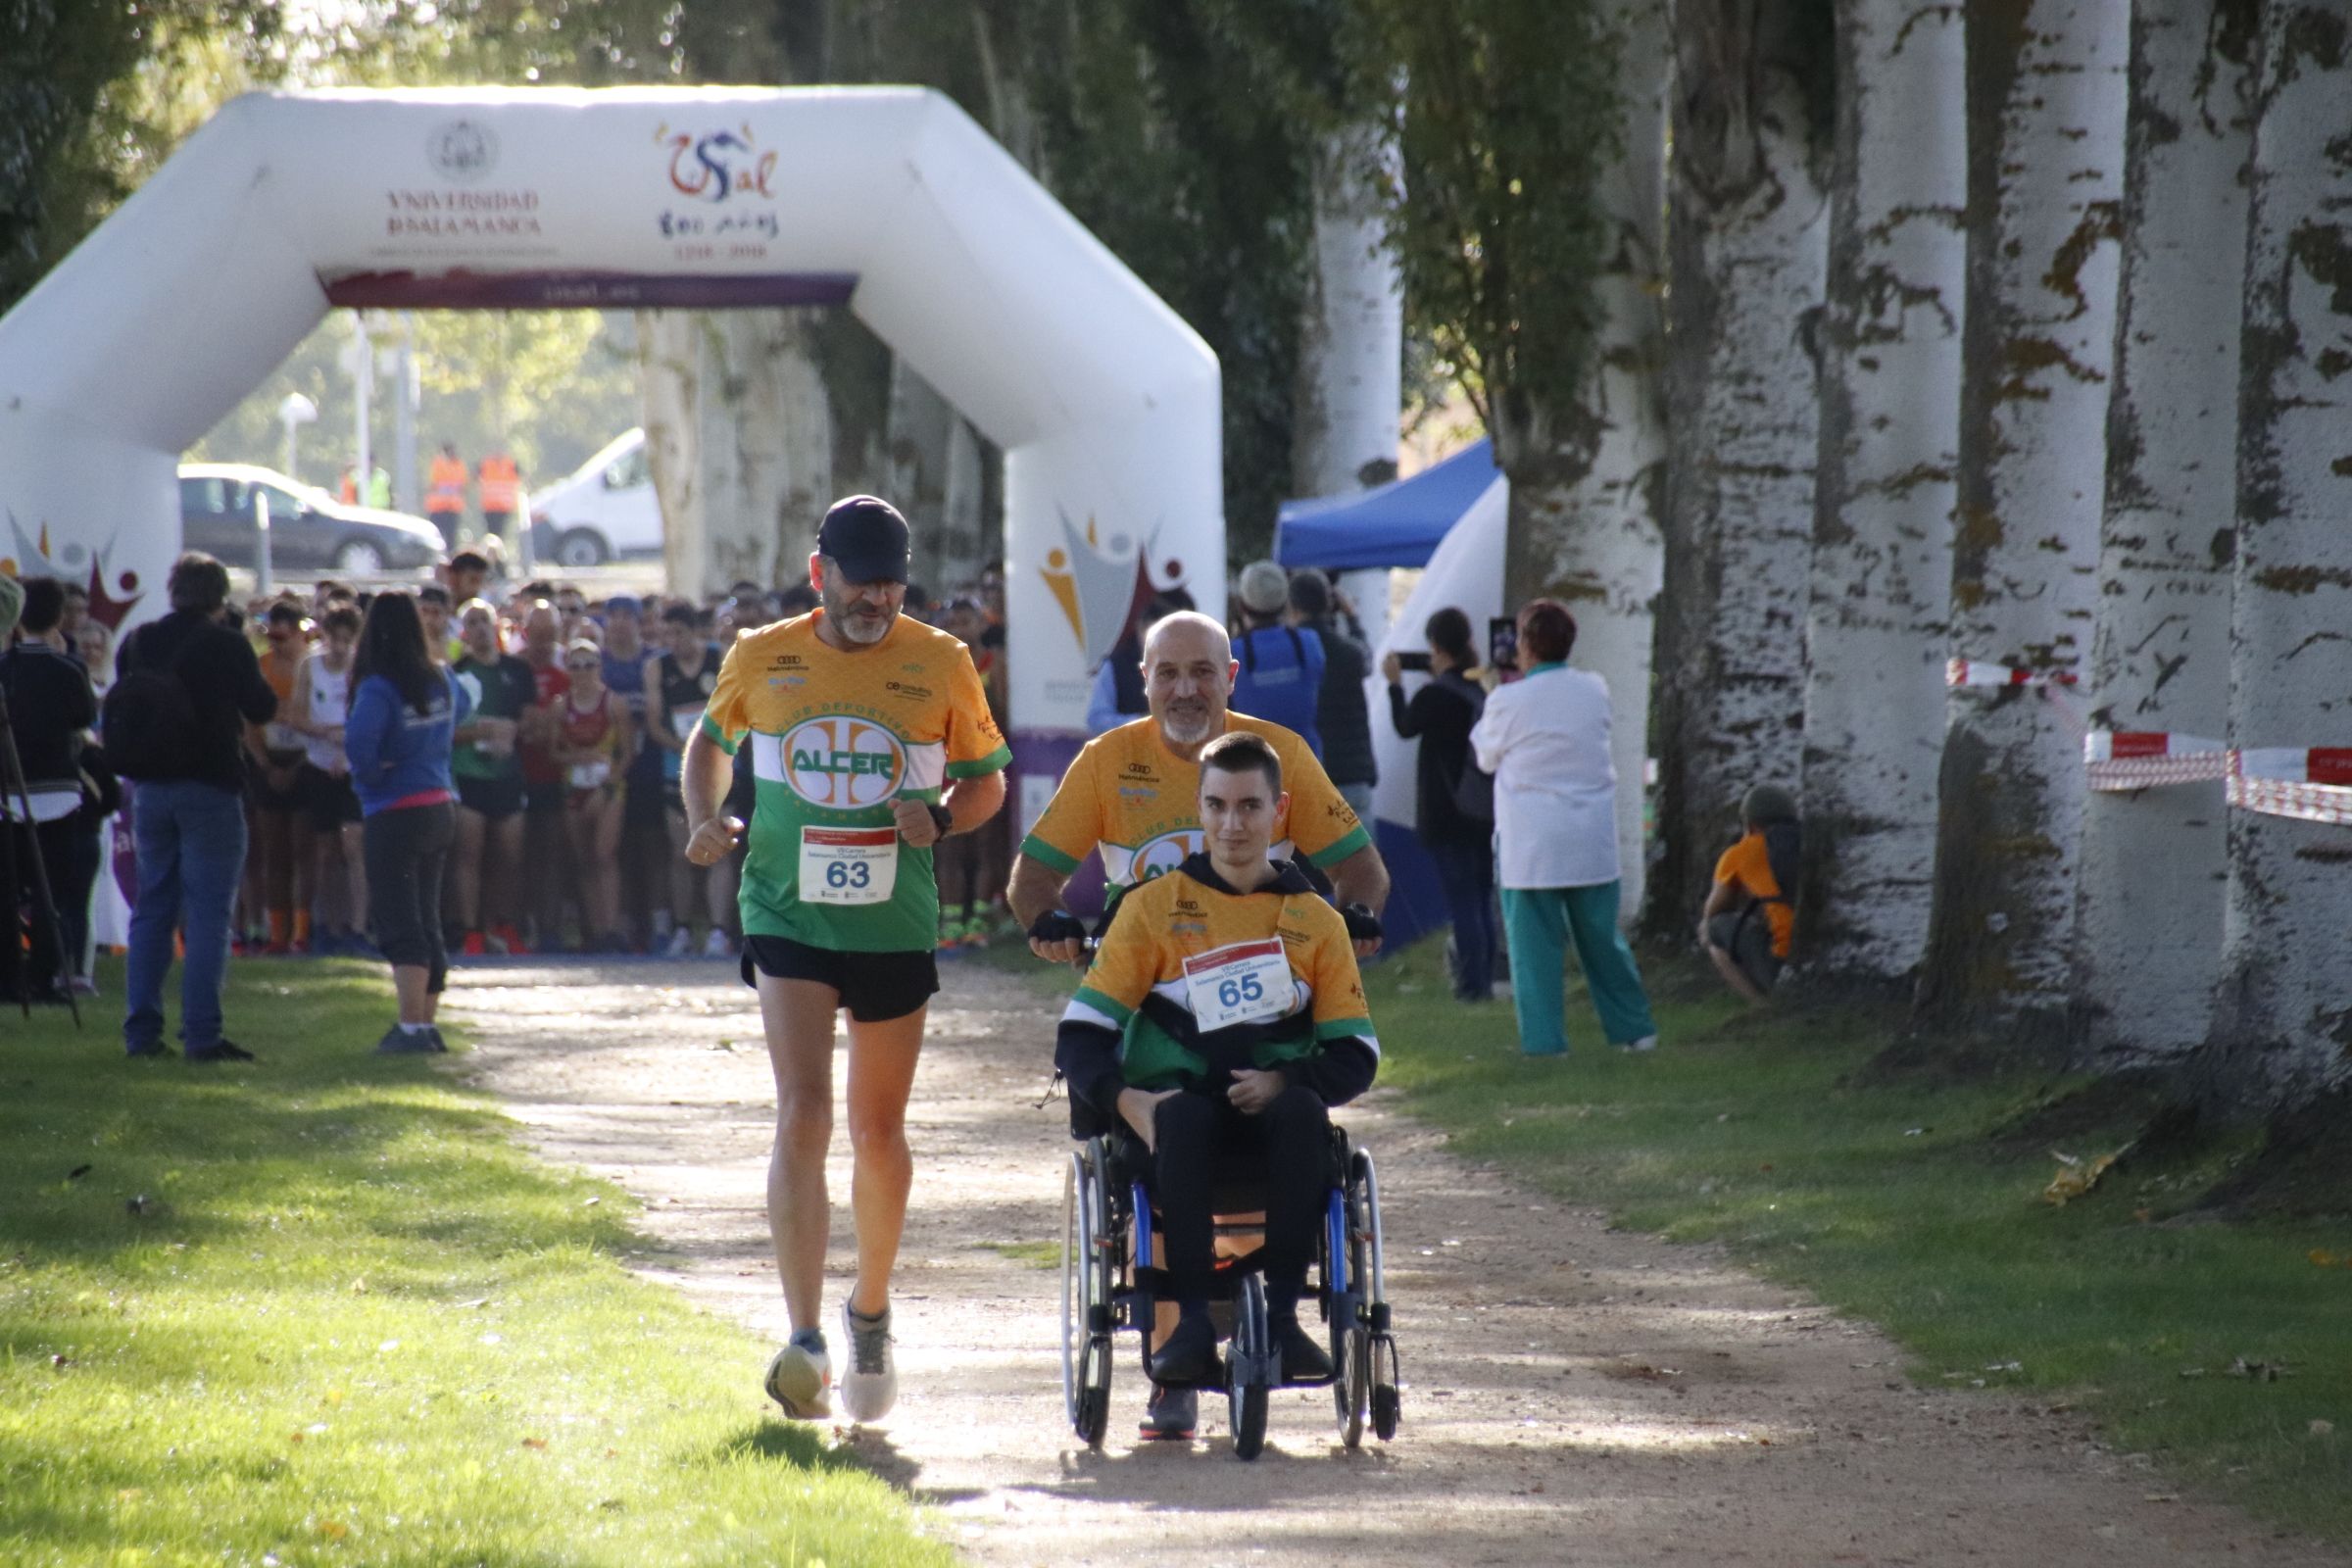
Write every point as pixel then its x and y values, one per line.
pixel 1107 1284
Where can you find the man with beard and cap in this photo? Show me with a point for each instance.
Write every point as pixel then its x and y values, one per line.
pixel 870 740
pixel 1131 793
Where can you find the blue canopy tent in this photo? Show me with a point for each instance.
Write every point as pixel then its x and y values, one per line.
pixel 1398 525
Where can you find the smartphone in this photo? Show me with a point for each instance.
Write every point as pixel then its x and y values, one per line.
pixel 1419 662
pixel 1502 646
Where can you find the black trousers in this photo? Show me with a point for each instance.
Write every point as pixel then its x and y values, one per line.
pixel 407 848
pixel 1197 1135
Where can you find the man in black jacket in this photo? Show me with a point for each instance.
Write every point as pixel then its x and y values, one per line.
pixel 49 705
pixel 1339 715
pixel 188 817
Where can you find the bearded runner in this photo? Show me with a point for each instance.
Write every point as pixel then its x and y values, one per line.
pixel 870 740
pixel 1131 794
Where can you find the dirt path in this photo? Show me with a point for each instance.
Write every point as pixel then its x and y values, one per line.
pixel 1573 1395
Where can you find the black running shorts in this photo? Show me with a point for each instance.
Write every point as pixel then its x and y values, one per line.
pixel 876 987
pixel 494 798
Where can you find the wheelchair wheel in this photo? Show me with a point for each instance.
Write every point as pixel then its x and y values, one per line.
pixel 1093 1419
pixel 1246 1371
pixel 1351 1342
pixel 1352 1354
pixel 1085 1298
pixel 1388 1403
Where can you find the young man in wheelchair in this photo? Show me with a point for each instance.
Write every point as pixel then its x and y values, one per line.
pixel 1222 1017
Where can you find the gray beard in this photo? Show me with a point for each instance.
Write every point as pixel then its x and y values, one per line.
pixel 866 632
pixel 1185 733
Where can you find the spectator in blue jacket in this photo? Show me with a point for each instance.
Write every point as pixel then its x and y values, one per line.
pixel 1281 679
pixel 404 711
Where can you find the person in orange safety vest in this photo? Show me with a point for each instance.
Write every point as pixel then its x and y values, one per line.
pixel 445 493
pixel 502 492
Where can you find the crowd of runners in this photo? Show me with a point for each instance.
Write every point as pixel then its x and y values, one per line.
pixel 570 766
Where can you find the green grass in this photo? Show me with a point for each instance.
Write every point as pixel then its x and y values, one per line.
pixel 351 1322
pixel 1899 1204
pixel 1036 1254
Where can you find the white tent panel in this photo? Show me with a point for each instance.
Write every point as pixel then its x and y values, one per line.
pixel 1464 571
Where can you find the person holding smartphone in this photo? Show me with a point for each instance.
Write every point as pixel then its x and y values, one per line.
pixel 1453 807
pixel 1546 739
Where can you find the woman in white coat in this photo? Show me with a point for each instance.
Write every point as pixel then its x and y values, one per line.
pixel 1546 739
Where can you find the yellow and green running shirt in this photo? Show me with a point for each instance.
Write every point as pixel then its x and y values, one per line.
pixel 1140 803
pixel 1171 937
pixel 836 737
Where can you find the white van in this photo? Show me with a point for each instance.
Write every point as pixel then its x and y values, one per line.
pixel 605 509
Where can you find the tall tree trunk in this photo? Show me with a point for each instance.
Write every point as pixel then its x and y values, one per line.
pixel 2045 142
pixel 2284 1016
pixel 1586 481
pixel 1881 584
pixel 927 442
pixel 2153 878
pixel 739 435
pixel 1746 242
pixel 1352 333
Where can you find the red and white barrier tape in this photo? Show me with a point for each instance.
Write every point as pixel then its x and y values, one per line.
pixel 2316 764
pixel 1969 672
pixel 2136 760
pixel 2313 784
pixel 2310 802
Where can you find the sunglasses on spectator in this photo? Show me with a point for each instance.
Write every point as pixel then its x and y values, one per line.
pixel 581 664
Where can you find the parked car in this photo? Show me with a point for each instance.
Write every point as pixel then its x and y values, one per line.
pixel 309 529
pixel 604 509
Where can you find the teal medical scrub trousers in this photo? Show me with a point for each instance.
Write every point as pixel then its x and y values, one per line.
pixel 1538 924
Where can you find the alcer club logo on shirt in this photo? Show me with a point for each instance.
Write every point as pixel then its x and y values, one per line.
pixel 843 764
pixel 1164 853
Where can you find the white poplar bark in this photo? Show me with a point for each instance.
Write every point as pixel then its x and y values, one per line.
pixel 2046 175
pixel 1595 542
pixel 1351 373
pixel 1881 584
pixel 2151 894
pixel 1748 247
pixel 2283 1018
pixel 739 435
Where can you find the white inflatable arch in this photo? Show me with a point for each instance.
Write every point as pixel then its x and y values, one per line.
pixel 889 201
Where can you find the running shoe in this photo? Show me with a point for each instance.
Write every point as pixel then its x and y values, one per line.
pixel 1171 1416
pixel 716 945
pixel 679 943
pixel 402 1040
pixel 513 939
pixel 473 947
pixel 1190 1353
pixel 870 1387
pixel 801 1377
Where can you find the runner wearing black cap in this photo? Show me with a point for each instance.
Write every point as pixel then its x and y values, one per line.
pixel 870 740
